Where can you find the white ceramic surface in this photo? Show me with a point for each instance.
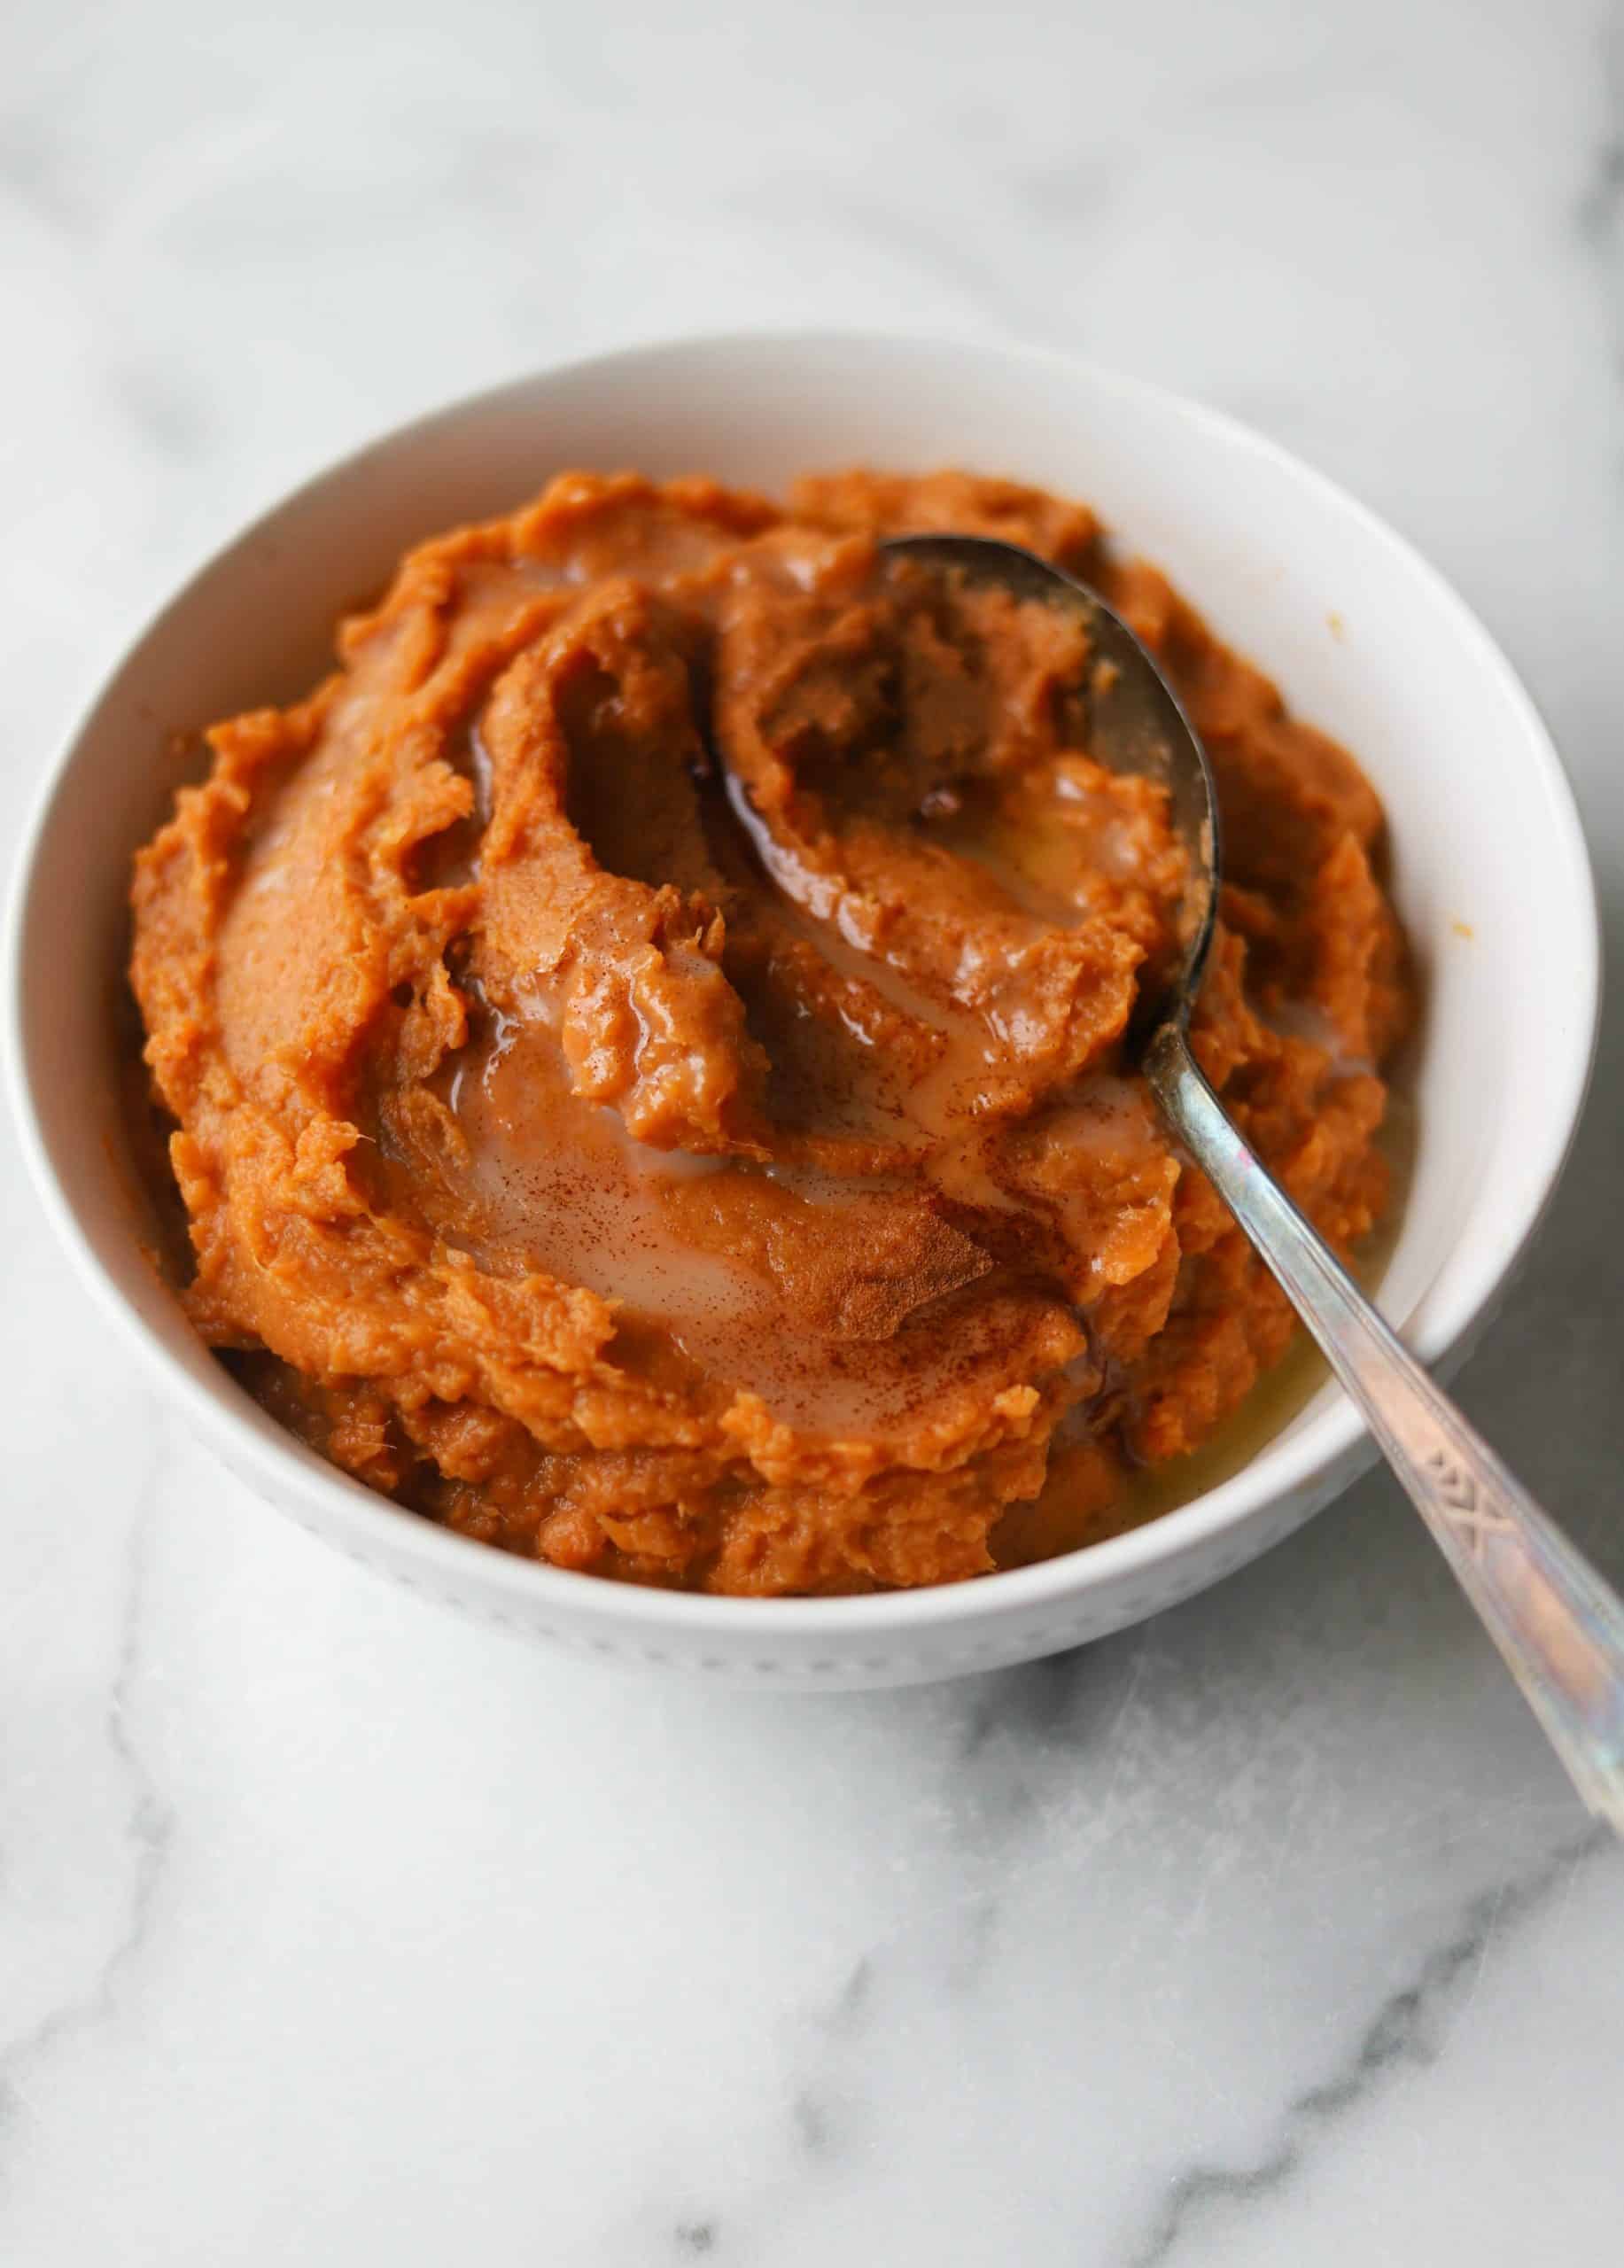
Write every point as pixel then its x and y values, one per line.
pixel 1490 874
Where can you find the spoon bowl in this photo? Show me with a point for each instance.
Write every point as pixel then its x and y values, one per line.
pixel 1136 725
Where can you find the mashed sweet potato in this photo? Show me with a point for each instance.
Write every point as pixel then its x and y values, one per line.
pixel 644 1040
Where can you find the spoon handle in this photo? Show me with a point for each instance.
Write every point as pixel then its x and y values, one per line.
pixel 1559 1624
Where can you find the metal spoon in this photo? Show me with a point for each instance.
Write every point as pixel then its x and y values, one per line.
pixel 1559 1624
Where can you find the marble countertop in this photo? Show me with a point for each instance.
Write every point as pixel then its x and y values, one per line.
pixel 334 1930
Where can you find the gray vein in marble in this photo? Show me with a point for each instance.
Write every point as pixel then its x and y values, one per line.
pixel 36 154
pixel 1085 1691
pixel 814 2105
pixel 1598 206
pixel 847 2012
pixel 1019 1718
pixel 162 410
pixel 1401 2032
pixel 1598 210
pixel 814 2125
pixel 1059 190
pixel 149 1829
pixel 972 1947
pixel 30 176
pixel 817 2101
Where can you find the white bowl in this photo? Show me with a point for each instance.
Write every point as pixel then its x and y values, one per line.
pixel 1490 874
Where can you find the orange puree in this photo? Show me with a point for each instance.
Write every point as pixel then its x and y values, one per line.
pixel 644 1040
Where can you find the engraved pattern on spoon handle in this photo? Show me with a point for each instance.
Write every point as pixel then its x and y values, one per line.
pixel 1559 1624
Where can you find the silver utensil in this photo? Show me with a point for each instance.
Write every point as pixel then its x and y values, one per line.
pixel 1559 1624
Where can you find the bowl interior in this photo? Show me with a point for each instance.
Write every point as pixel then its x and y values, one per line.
pixel 1488 867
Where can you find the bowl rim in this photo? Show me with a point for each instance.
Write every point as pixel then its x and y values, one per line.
pixel 226 1416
